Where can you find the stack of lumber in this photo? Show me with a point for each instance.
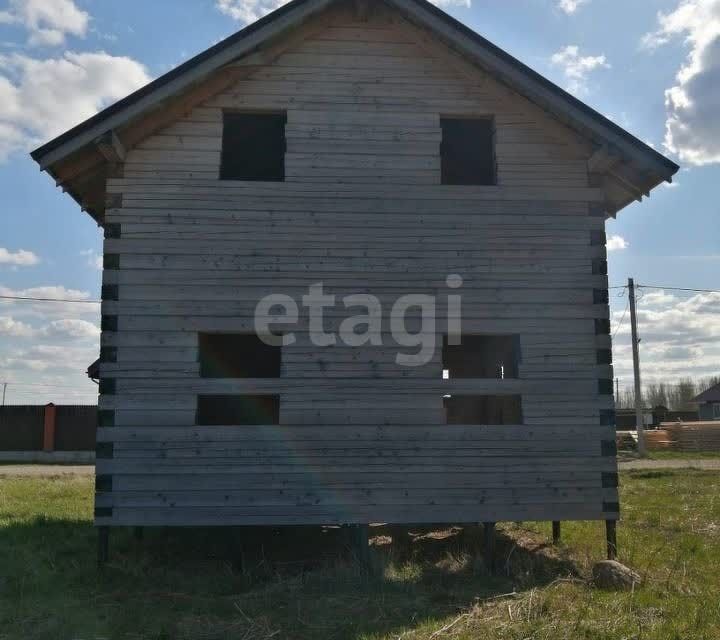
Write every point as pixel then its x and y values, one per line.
pixel 692 436
pixel 626 440
pixel 659 440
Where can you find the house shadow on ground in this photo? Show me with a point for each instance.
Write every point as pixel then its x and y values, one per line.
pixel 293 582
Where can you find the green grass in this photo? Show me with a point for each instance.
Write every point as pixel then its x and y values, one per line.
pixel 683 455
pixel 689 456
pixel 298 584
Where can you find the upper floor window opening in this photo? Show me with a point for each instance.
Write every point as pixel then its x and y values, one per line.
pixel 253 146
pixel 467 151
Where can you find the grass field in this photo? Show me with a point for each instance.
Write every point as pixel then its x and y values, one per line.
pixel 683 455
pixel 179 584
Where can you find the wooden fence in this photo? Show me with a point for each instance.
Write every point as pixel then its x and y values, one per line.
pixel 48 428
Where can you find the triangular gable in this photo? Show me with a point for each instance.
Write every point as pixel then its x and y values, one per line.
pixel 76 157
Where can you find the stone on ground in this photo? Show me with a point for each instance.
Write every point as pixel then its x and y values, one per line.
pixel 610 574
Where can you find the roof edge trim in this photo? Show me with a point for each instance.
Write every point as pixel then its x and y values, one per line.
pixel 541 91
pixel 182 77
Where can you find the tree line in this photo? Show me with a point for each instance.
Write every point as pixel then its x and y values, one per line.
pixel 676 396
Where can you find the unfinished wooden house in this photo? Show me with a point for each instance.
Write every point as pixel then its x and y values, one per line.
pixel 341 149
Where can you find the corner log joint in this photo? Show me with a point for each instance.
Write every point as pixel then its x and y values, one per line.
pixel 110 147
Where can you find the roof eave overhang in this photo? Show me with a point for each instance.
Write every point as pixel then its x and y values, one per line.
pixel 534 87
pixel 642 159
pixel 180 79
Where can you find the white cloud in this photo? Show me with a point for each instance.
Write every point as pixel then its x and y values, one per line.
pixel 576 67
pixel 94 259
pixel 616 243
pixel 48 372
pixel 692 128
pixel 248 11
pixel 48 291
pixel 48 357
pixel 45 347
pixel 657 299
pixel 28 309
pixel 47 21
pixel 72 328
pixel 42 98
pixel 11 327
pixel 571 6
pixel 444 4
pixel 20 258
pixel 66 329
pixel 679 337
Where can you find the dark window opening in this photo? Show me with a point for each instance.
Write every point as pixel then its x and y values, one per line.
pixel 237 355
pixel 482 356
pixel 483 410
pixel 467 151
pixel 253 146
pixel 214 410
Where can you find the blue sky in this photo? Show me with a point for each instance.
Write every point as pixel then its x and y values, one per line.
pixel 650 65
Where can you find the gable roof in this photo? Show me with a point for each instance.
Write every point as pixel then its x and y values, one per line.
pixel 709 395
pixel 641 168
pixel 241 43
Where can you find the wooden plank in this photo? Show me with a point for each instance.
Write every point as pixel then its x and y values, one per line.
pixel 429 514
pixel 343 433
pixel 363 439
pixel 569 387
pixel 357 499
pixel 508 465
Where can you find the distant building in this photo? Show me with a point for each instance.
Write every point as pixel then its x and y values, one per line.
pixel 663 414
pixel 652 418
pixel 709 403
pixel 625 419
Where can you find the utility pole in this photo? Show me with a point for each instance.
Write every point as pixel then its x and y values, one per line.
pixel 617 389
pixel 636 370
pixel 4 390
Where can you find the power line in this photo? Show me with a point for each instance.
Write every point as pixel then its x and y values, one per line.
pixel 68 394
pixel 622 319
pixel 19 393
pixel 649 286
pixel 23 390
pixel 31 299
pixel 41 384
pixel 75 301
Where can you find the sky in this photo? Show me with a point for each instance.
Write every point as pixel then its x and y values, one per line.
pixel 652 66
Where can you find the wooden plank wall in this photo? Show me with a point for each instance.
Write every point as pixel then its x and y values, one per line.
pixel 361 438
